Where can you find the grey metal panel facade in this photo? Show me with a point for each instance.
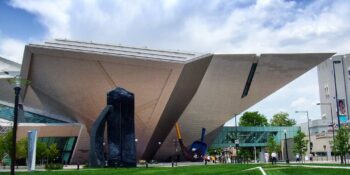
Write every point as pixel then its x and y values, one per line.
pixel 328 87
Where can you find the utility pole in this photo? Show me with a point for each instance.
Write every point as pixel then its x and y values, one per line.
pixel 286 145
pixel 336 98
pixel 308 128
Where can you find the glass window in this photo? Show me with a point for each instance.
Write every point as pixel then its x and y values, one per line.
pixel 6 113
pixel 64 144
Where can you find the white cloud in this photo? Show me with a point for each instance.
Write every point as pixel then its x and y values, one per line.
pixel 11 49
pixel 217 26
pixel 226 26
pixel 299 103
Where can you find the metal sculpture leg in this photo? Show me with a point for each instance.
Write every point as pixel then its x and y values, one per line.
pixel 96 158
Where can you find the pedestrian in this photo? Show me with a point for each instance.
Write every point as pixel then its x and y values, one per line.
pixel 297 157
pixel 266 156
pixel 311 157
pixel 274 158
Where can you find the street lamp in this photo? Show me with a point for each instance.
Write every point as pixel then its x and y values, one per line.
pixel 336 97
pixel 308 127
pixel 17 81
pixel 330 105
pixel 254 149
pixel 236 138
pixel 286 145
pixel 336 91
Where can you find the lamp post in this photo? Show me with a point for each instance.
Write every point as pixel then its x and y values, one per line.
pixel 330 105
pixel 255 149
pixel 236 138
pixel 308 127
pixel 336 97
pixel 286 145
pixel 336 91
pixel 17 82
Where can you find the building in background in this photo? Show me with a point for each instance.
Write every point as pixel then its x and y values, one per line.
pixel 334 88
pixel 256 137
pixel 321 136
pixel 334 84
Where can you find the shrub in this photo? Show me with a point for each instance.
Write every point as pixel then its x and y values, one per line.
pixel 54 166
pixel 142 162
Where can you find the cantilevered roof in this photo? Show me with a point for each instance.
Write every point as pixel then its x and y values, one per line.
pixel 71 78
pixel 120 50
pixel 8 68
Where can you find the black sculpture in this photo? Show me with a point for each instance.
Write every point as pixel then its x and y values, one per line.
pixel 119 115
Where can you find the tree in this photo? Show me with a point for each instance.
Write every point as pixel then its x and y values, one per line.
pixel 214 151
pixel 245 154
pixel 341 142
pixel 52 152
pixel 22 149
pixel 41 150
pixel 281 119
pixel 272 146
pixel 5 144
pixel 253 119
pixel 300 144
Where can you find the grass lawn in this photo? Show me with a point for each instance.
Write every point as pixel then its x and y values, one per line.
pixel 305 171
pixel 199 170
pixel 195 170
pixel 319 164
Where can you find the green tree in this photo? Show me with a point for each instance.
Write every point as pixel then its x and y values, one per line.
pixel 5 144
pixel 245 154
pixel 253 119
pixel 300 144
pixel 341 142
pixel 2 147
pixel 22 149
pixel 214 151
pixel 41 148
pixel 272 146
pixel 282 119
pixel 52 152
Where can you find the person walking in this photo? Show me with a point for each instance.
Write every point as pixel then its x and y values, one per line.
pixel 297 157
pixel 266 156
pixel 274 158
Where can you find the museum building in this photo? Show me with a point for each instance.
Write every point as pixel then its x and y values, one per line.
pixel 69 81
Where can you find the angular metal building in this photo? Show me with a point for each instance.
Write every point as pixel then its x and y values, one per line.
pixel 70 79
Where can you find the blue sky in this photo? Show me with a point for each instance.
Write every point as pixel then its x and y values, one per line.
pixel 18 24
pixel 218 26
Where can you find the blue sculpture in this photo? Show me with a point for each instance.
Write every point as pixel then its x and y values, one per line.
pixel 119 116
pixel 198 148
